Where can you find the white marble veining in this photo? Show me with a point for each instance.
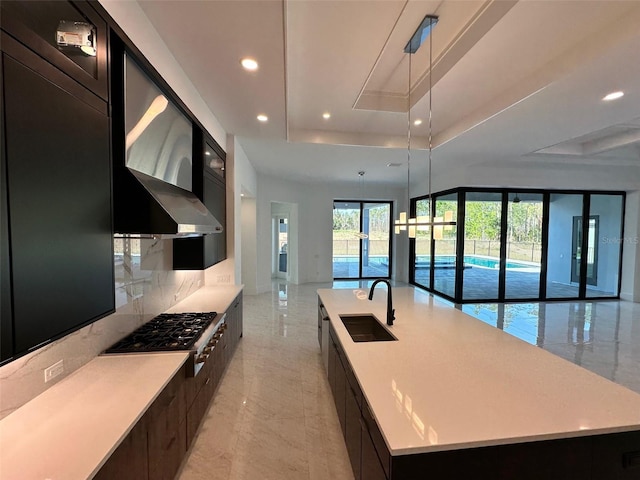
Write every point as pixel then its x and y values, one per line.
pixel 451 381
pixel 69 431
pixel 145 286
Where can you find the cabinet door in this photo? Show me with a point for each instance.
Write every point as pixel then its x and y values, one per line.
pixel 371 466
pixel 216 202
pixel 129 461
pixel 340 394
pixel 202 252
pixel 59 180
pixel 61 32
pixel 352 435
pixel 6 322
pixel 167 434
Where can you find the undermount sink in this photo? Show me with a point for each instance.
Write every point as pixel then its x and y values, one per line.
pixel 366 328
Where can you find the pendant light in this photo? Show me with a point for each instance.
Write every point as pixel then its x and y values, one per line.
pixel 404 222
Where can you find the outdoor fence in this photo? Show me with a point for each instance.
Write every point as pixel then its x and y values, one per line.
pixel 526 251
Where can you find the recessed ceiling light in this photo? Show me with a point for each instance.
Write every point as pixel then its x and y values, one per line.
pixel 417 122
pixel 249 64
pixel 262 118
pixel 613 95
pixel 326 115
pixel 207 153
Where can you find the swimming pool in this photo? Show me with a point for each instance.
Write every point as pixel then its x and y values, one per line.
pixel 477 261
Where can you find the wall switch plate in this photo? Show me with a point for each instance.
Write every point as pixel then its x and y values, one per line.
pixel 53 371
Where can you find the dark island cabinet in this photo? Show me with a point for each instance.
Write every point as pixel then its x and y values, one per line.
pixel 209 185
pixel 614 456
pixel 355 418
pixel 57 169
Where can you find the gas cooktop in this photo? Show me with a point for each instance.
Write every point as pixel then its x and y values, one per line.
pixel 167 331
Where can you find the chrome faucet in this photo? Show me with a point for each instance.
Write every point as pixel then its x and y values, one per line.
pixel 390 311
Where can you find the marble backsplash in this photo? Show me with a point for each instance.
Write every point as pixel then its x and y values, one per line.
pixel 145 285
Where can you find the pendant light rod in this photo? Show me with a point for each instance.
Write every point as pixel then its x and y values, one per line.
pixel 420 223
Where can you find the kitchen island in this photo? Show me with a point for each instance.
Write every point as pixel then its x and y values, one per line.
pixel 456 398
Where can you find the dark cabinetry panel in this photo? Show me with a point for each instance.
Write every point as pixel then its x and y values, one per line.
pixel 201 389
pixel 6 317
pixel 59 194
pixel 208 185
pixel 167 434
pixel 36 25
pixel 129 461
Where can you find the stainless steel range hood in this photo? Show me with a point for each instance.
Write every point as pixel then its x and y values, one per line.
pixel 145 205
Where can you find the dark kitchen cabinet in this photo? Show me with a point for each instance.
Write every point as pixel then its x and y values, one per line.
pixel 167 430
pixel 234 321
pixel 157 444
pixel 130 460
pixel 202 387
pixel 58 176
pixel 352 436
pixel 340 383
pixel 209 186
pixel 6 317
pixel 69 35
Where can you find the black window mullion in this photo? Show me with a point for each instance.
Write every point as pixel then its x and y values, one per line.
pixel 460 247
pixel 546 199
pixel 502 274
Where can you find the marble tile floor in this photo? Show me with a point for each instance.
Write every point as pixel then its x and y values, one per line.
pixel 601 336
pixel 273 415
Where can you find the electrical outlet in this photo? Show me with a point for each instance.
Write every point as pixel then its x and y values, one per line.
pixel 53 371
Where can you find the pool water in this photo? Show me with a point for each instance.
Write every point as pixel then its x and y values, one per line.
pixel 478 261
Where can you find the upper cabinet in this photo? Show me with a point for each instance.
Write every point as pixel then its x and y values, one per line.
pixel 69 35
pixel 57 236
pixel 209 185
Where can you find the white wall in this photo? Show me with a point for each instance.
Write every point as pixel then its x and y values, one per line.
pixel 314 203
pixel 248 250
pixel 630 289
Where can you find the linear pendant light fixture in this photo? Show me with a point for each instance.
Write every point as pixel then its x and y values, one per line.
pixel 423 222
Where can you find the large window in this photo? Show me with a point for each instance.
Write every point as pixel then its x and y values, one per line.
pixel 603 245
pixel 422 249
pixel 445 243
pixel 564 257
pixel 520 245
pixel 361 239
pixel 482 229
pixel 524 245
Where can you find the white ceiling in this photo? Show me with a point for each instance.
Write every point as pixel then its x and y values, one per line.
pixel 511 80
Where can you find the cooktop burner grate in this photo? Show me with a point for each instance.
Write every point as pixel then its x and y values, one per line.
pixel 167 331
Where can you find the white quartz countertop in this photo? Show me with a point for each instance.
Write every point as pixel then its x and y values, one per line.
pixel 453 382
pixel 208 299
pixel 70 430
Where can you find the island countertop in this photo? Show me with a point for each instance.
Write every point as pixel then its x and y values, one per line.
pixel 452 382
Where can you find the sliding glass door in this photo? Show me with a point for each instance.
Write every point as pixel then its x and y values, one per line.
pixel 520 245
pixel 361 239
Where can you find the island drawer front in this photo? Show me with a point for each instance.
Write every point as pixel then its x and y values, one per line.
pixel 376 436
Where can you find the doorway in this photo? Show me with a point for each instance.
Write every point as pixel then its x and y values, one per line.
pixel 361 239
